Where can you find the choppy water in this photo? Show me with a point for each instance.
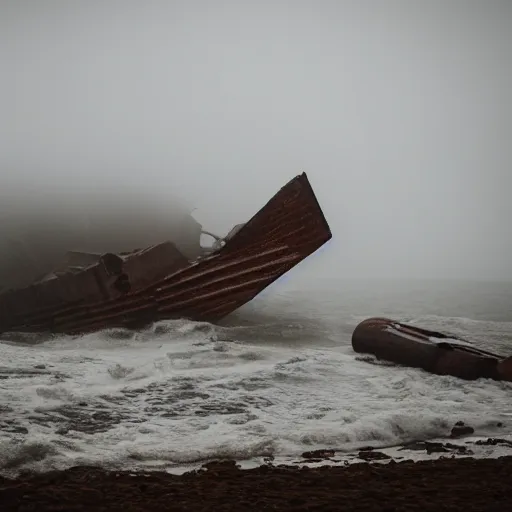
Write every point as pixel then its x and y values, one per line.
pixel 277 378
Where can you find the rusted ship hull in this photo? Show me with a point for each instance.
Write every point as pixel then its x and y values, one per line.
pixel 160 283
pixel 434 352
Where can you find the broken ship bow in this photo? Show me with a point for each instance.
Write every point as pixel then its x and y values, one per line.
pixel 160 282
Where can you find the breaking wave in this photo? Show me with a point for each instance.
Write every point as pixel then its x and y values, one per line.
pixel 276 379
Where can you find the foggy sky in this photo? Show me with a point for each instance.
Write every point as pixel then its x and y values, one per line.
pixel 399 111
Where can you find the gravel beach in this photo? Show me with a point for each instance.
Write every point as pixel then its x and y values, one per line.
pixel 446 484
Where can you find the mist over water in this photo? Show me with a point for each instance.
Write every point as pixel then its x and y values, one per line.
pixel 134 113
pixel 399 112
pixel 38 228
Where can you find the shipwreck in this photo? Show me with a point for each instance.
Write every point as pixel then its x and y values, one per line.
pixel 58 290
pixel 432 351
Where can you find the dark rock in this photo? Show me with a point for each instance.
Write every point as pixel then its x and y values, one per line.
pixel 373 455
pixel 416 446
pixel 460 429
pixel 435 448
pixel 425 446
pixel 318 454
pixel 431 447
pixel 221 465
pixel 40 367
pixel 491 441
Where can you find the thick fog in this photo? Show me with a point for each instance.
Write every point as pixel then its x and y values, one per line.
pixel 399 111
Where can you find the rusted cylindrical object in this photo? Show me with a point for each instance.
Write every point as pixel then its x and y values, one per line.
pixel 432 351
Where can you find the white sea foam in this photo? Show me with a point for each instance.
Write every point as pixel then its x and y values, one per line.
pixel 183 392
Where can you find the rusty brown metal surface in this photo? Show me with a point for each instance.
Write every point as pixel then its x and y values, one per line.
pixel 285 231
pixel 158 283
pixel 431 351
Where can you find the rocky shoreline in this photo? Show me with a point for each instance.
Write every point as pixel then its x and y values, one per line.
pixel 445 484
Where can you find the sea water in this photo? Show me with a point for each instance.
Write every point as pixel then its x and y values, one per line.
pixel 275 379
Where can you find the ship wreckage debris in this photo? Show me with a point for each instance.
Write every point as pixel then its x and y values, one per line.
pixel 177 278
pixel 57 290
pixel 431 351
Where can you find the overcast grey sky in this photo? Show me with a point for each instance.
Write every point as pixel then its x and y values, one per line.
pixel 400 112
